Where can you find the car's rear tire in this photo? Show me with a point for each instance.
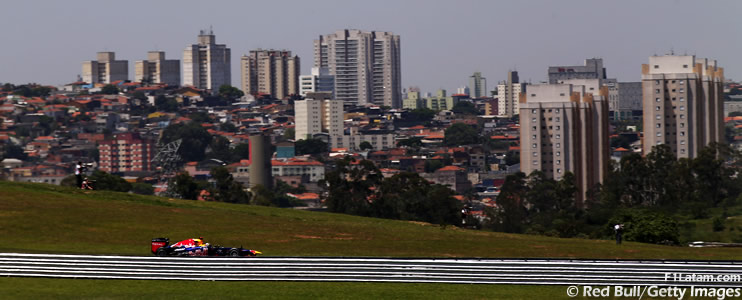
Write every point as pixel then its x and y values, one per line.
pixel 161 252
pixel 234 253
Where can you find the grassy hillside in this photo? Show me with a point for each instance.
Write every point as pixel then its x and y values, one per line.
pixel 53 219
pixel 46 288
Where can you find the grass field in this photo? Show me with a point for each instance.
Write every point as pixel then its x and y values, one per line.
pixel 53 219
pixel 42 288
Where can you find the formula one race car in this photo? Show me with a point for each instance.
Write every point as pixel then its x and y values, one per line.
pixel 196 247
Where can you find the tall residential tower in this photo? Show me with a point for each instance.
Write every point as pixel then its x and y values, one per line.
pixel 683 103
pixel 564 128
pixel 273 72
pixel 105 70
pixel 157 69
pixel 206 65
pixel 366 66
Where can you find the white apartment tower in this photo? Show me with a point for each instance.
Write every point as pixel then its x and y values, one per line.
pixel 157 69
pixel 105 70
pixel 508 95
pixel 683 103
pixel 274 72
pixel 206 65
pixel 319 114
pixel 564 128
pixel 366 66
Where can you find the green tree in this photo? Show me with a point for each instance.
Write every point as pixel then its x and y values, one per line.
pixel 512 157
pixel 229 92
pixel 220 150
pixel 139 95
pixel 195 139
pixel 109 89
pixel 413 142
pixel 365 145
pixel 14 151
pixel 241 151
pixel 646 227
pixel 185 186
pixel 407 196
pixel 142 188
pixel 163 103
pixel 421 115
pixel 226 189
pixel 105 181
pixel 350 189
pixel 510 213
pixel 310 146
pixel 228 127
pixel 433 164
pixel 460 134
pixel 465 108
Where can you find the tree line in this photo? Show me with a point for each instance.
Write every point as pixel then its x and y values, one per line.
pixel 647 194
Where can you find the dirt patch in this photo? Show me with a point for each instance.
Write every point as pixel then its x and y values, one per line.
pixel 631 251
pixel 420 223
pixel 307 237
pixel 539 246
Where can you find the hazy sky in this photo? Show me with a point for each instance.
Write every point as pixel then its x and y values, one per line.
pixel 443 42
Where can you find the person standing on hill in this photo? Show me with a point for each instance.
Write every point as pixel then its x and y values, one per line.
pixel 619 230
pixel 79 168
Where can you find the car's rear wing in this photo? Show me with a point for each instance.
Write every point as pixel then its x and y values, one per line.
pixel 159 242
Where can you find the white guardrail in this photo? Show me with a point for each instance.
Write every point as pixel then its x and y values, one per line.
pixel 421 270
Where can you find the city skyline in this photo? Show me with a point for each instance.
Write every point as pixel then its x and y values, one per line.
pixel 440 51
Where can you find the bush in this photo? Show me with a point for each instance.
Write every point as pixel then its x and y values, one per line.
pixel 142 188
pixel 646 227
pixel 718 224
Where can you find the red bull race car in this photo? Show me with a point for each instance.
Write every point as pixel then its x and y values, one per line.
pixel 197 247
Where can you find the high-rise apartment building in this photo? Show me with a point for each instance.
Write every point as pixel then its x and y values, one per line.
pixel 207 65
pixel 105 70
pixel 564 128
pixel 477 86
pixel 508 95
pixel 157 69
pixel 366 66
pixel 274 72
pixel 593 69
pixel 683 103
pixel 319 113
pixel 319 80
pixel 126 152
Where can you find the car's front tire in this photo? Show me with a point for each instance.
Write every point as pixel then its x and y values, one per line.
pixel 161 252
pixel 234 253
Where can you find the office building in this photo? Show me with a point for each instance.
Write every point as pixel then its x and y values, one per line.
pixel 683 103
pixel 126 152
pixel 624 98
pixel 366 66
pixel 477 86
pixel 157 69
pixel 508 95
pixel 274 72
pixel 207 65
pixel 593 69
pixel 564 128
pixel 320 80
pixel 105 70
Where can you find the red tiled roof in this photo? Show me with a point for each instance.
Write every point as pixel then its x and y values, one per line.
pixel 295 162
pixel 450 168
pixel 621 149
